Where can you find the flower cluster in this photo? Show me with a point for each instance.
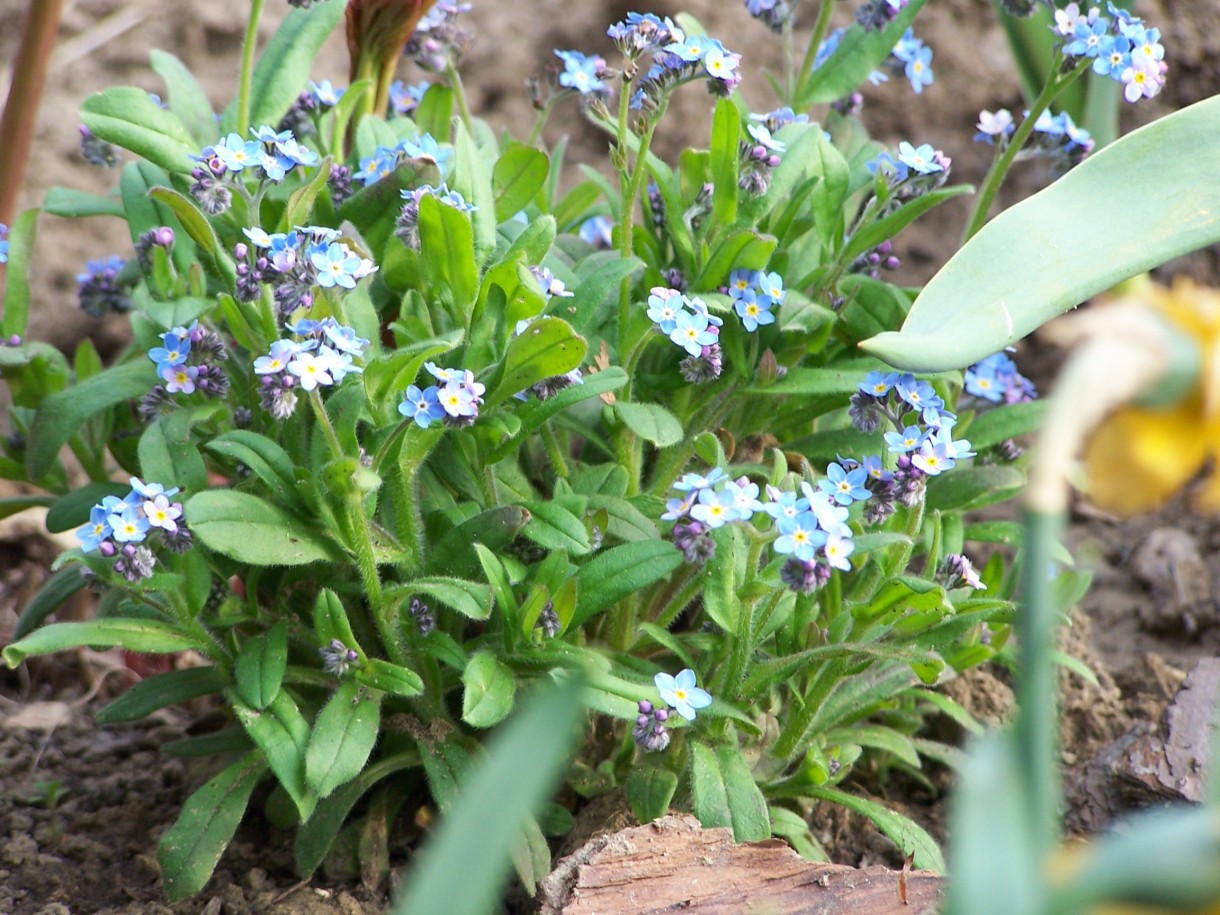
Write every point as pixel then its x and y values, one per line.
pixel 423 150
pixel 337 658
pixel 97 151
pixel 1122 47
pixel 323 356
pixel 438 42
pixel 759 154
pixel 455 400
pixel 1056 137
pixel 122 528
pixel 915 171
pixel 913 59
pixel 877 14
pixel 407 226
pixel 676 58
pixel 271 155
pixel 100 289
pixel 772 13
pixel 294 263
pixel 754 294
pixel 689 324
pixel 187 361
pixel 996 379
pixel 957 572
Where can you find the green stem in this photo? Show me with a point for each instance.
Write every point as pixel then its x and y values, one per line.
pixel 999 169
pixel 544 115
pixel 675 598
pixel 459 95
pixel 328 429
pixel 247 67
pixel 820 27
pixel 388 445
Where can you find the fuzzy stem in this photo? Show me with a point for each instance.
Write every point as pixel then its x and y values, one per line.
pixel 459 95
pixel 820 27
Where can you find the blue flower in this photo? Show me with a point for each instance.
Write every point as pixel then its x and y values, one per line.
pixel 664 306
pixel 425 148
pixel 1087 38
pixel 173 351
pixel 782 504
pixel 457 399
pixel 325 94
pixel 236 154
pixel 754 310
pixel 3 243
pixel 741 281
pixel 596 230
pixel 690 332
pixel 745 497
pixel 919 69
pixel 845 486
pixel 179 378
pixel 96 531
pixel 582 72
pixel 282 352
pixel 149 490
pixel 906 441
pixel 922 159
pixel 715 509
pixel 128 527
pixel 343 337
pixel 382 162
pixel 693 482
pixel 800 536
pixel 878 384
pixel 336 266
pixel 422 406
pixel 919 395
pixel 836 550
pixel 681 694
pixel 404 99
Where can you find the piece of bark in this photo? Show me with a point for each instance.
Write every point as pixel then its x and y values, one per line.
pixel 674 864
pixel 1169 563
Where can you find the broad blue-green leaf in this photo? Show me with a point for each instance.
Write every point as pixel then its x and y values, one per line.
pixel 72 510
pixel 330 620
pixel 446 245
pixel 546 348
pixel 265 459
pixel 1052 251
pixel 555 528
pixel 651 422
pixel 169 456
pixel 189 850
pixel 284 66
pixel 489 690
pixel 17 275
pixel 128 117
pixel 146 636
pixel 249 529
pixel 342 740
pixel 614 573
pixel 261 664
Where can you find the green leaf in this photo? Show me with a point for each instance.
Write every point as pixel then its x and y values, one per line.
pixel 469 598
pixel 261 664
pixel 746 249
pixel 830 193
pixel 62 414
pixel 282 733
pixel 200 229
pixel 546 348
pixel 446 246
pixel 17 275
pixel 889 226
pixel 1052 251
pixel 72 510
pixel 651 422
pixel 860 51
pixel 390 678
pixel 747 806
pixel 284 66
pixel 145 636
pixel 726 161
pixel 613 574
pixel 248 529
pixel 588 296
pixel 494 529
pixel 873 307
pixel 523 764
pixel 14 505
pixel 973 487
pixel 50 597
pixel 1010 421
pixel 189 850
pixel 877 737
pixel 555 528
pixel 649 791
pixel 472 179
pixel 535 412
pixel 128 117
pixel 910 837
pixel 265 459
pixel 185 97
pixel 489 691
pixel 516 179
pixel 168 454
pixel 330 620
pixel 159 691
pixel 342 740
pixel 74 204
pixel 709 797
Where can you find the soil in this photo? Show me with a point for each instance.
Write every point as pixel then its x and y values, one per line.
pixel 1150 616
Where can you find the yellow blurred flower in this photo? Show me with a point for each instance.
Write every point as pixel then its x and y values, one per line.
pixel 1141 456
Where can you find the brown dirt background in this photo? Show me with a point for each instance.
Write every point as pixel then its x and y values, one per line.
pixel 75 859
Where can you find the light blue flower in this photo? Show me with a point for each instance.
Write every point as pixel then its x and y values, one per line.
pixel 845 486
pixel 173 351
pixel 422 406
pixel 921 159
pixel 690 332
pixel 336 266
pixel 128 527
pixel 800 536
pixel 715 509
pixel 325 94
pixel 681 694
pixel 754 310
pixel 96 531
pixel 581 72
pixel 236 153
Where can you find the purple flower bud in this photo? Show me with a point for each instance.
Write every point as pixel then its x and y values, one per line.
pixel 661 714
pixel 645 707
pixel 240 250
pixel 107 549
pixel 163 236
